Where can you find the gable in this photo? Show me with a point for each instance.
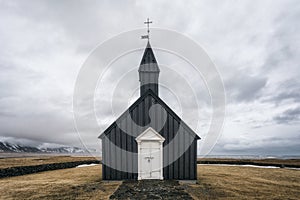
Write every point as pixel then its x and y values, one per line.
pixel 149 134
pixel 139 113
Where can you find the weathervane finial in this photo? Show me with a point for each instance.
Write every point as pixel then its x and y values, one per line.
pixel 148 30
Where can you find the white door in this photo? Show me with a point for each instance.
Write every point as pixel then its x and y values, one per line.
pixel 150 155
pixel 150 166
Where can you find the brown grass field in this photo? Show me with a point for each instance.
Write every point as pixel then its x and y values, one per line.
pixel 234 182
pixel 214 182
pixel 269 161
pixel 39 160
pixel 74 183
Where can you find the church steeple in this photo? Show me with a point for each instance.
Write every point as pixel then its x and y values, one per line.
pixel 148 71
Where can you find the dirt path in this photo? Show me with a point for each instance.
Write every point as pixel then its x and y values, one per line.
pixel 150 189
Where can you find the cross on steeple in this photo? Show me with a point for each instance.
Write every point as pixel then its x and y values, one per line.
pixel 148 22
pixel 148 30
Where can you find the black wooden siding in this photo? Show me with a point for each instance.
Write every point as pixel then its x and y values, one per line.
pixel 183 168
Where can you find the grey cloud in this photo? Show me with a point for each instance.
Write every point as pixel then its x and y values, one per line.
pixel 289 116
pixel 258 146
pixel 244 87
pixel 286 91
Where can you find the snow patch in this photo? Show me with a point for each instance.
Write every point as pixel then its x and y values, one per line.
pixel 257 166
pixel 86 165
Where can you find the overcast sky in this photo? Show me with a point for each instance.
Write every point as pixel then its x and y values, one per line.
pixel 254 44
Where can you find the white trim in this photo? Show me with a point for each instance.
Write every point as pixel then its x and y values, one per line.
pixel 140 137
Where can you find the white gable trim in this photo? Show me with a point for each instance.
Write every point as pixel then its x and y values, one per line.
pixel 150 135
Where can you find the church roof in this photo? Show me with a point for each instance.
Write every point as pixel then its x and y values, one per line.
pixel 151 94
pixel 148 62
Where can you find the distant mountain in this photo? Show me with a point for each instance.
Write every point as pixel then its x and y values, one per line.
pixel 8 147
pixel 19 148
pixel 63 150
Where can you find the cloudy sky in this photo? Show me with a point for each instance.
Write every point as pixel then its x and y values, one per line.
pixel 255 45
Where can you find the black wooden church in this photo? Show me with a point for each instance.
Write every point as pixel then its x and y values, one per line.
pixel 149 141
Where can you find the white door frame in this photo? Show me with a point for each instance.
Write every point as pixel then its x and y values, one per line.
pixel 150 135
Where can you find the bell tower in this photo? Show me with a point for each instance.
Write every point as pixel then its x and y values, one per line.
pixel 148 70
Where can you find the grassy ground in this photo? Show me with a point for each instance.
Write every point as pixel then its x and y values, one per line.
pixel 75 183
pixel 230 182
pixel 288 162
pixel 29 161
pixel 214 182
